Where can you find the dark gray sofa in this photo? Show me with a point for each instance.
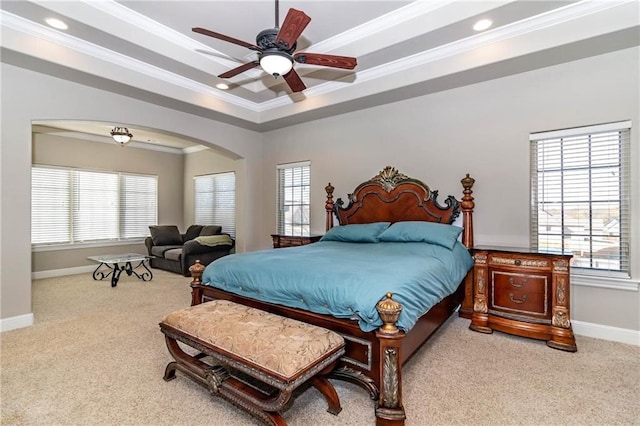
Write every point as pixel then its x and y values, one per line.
pixel 176 252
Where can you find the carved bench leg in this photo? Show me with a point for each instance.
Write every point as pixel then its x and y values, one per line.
pixel 170 371
pixel 326 388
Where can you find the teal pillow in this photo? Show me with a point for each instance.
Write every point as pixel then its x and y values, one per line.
pixel 427 232
pixel 360 233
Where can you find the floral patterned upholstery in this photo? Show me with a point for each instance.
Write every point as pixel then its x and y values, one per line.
pixel 283 346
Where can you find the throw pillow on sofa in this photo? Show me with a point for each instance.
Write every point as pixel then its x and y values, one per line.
pixel 210 230
pixel 165 235
pixel 192 232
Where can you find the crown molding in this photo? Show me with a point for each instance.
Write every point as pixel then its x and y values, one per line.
pixel 540 22
pixel 521 28
pixel 33 29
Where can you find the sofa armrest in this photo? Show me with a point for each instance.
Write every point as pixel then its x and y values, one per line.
pixel 148 242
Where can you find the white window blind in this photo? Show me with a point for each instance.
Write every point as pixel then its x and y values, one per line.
pixel 95 206
pixel 50 206
pixel 293 198
pixel 75 206
pixel 215 201
pixel 580 185
pixel 138 204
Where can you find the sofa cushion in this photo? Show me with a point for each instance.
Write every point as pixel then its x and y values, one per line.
pixel 211 230
pixel 173 254
pixel 165 235
pixel 159 251
pixel 192 232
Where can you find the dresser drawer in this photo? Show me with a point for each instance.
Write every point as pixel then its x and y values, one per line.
pixel 519 262
pixel 520 293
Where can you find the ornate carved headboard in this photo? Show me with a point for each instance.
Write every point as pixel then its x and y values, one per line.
pixel 392 196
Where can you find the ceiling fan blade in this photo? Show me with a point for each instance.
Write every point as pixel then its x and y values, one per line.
pixel 294 81
pixel 225 38
pixel 294 23
pixel 242 68
pixel 333 61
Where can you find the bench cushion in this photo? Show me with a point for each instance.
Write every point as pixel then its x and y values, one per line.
pixel 282 346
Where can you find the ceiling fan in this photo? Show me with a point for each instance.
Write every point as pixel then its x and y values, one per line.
pixel 276 47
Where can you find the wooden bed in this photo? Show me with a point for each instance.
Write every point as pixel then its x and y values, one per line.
pixel 374 359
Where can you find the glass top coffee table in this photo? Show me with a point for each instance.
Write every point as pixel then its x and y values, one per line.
pixel 114 264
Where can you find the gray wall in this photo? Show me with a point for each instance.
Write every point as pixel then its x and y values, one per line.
pixel 28 96
pixel 480 129
pixel 483 130
pixel 204 163
pixel 72 152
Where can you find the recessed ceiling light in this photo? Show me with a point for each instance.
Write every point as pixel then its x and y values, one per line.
pixel 222 86
pixel 56 23
pixel 482 24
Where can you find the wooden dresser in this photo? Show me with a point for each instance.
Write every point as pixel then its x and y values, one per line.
pixel 523 292
pixel 280 241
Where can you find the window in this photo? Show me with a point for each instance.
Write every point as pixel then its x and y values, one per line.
pixel 580 195
pixel 71 206
pixel 215 201
pixel 293 198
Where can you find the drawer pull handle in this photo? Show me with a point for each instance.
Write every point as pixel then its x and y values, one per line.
pixel 514 283
pixel 518 262
pixel 519 301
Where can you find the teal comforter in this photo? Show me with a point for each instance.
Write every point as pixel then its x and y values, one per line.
pixel 346 280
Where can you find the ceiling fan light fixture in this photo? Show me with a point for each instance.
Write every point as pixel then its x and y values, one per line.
pixel 276 63
pixel 121 135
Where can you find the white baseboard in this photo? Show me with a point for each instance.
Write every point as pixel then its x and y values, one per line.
pixel 62 272
pixel 19 321
pixel 605 332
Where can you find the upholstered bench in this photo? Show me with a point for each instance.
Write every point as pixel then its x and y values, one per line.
pixel 252 358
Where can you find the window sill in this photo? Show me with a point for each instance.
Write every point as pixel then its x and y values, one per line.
pixel 76 246
pixel 626 284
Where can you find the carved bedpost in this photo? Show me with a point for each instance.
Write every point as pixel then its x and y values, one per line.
pixel 196 279
pixel 329 206
pixel 467 206
pixel 480 317
pixel 389 409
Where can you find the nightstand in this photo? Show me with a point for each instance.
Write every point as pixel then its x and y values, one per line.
pixel 523 292
pixel 280 241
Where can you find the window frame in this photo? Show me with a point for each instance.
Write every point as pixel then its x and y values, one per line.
pixel 228 221
pixel 305 188
pixel 73 240
pixel 587 138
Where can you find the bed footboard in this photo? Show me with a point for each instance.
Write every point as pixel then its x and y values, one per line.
pixel 389 408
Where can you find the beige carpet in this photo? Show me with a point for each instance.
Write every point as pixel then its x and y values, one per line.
pixel 95 356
